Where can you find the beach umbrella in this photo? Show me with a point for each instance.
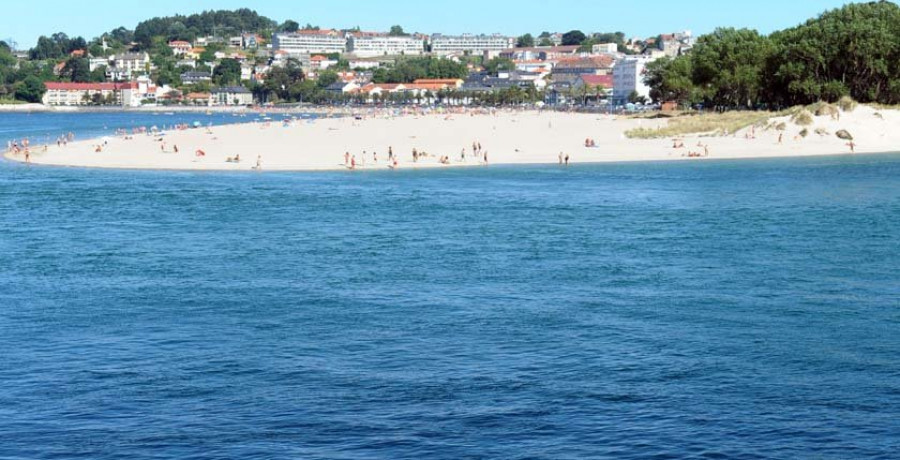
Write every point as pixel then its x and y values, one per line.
pixel 197 124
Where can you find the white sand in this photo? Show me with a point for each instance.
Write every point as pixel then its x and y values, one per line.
pixel 509 138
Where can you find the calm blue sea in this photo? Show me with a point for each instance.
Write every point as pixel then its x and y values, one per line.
pixel 702 310
pixel 41 128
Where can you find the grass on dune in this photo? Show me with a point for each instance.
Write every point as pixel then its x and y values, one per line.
pixel 708 123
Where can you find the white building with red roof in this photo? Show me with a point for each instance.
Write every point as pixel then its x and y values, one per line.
pixel 180 47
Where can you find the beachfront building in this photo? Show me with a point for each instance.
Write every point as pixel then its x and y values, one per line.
pixel 141 91
pixel 371 45
pixel 628 77
pixel 470 44
pixel 231 95
pixel 309 42
pixel 73 94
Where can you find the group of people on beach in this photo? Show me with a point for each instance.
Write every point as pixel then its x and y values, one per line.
pixel 351 161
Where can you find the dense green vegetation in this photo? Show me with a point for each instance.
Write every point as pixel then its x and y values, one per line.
pixel 407 70
pixel 852 51
pixel 220 23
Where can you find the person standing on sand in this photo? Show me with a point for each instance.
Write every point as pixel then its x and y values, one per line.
pixel 560 158
pixel 258 163
pixel 347 159
pixel 780 138
pixel 851 145
pixel 567 159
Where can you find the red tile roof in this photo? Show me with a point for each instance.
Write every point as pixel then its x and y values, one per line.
pixel 606 81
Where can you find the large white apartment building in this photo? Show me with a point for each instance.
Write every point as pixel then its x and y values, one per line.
pixel 470 44
pixel 628 76
pixel 310 42
pixel 384 45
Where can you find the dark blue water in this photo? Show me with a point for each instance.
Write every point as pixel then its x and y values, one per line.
pixel 693 310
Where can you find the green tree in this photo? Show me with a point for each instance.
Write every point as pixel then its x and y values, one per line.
pixel 290 26
pixel 228 72
pixel 671 80
pixel 499 64
pixel 397 31
pixel 31 89
pixel 728 66
pixel 209 54
pixel 525 41
pixel 77 70
pixel 98 75
pixel 573 37
pixel 327 78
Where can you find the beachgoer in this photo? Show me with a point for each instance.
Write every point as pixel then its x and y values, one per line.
pixel 347 159
pixel 561 158
pixel 567 159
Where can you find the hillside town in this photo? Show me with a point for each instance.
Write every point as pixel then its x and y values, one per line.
pixel 287 63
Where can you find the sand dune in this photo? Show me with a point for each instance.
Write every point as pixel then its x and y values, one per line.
pixel 507 137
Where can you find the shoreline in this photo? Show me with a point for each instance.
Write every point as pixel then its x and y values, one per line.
pixel 511 138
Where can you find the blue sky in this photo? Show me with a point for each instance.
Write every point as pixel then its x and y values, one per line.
pixel 21 22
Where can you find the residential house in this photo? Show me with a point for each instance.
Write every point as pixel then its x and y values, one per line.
pixel 318 63
pixel 605 48
pixel 189 78
pixel 342 87
pixel 198 99
pixel 180 47
pixel 130 64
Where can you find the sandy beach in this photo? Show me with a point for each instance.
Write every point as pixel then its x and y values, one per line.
pixel 506 137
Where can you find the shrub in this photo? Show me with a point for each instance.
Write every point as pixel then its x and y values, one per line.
pixel 822 132
pixel 847 104
pixel 824 109
pixel 844 134
pixel 804 132
pixel 781 126
pixel 802 118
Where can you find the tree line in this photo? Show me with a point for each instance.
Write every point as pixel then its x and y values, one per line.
pixel 850 51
